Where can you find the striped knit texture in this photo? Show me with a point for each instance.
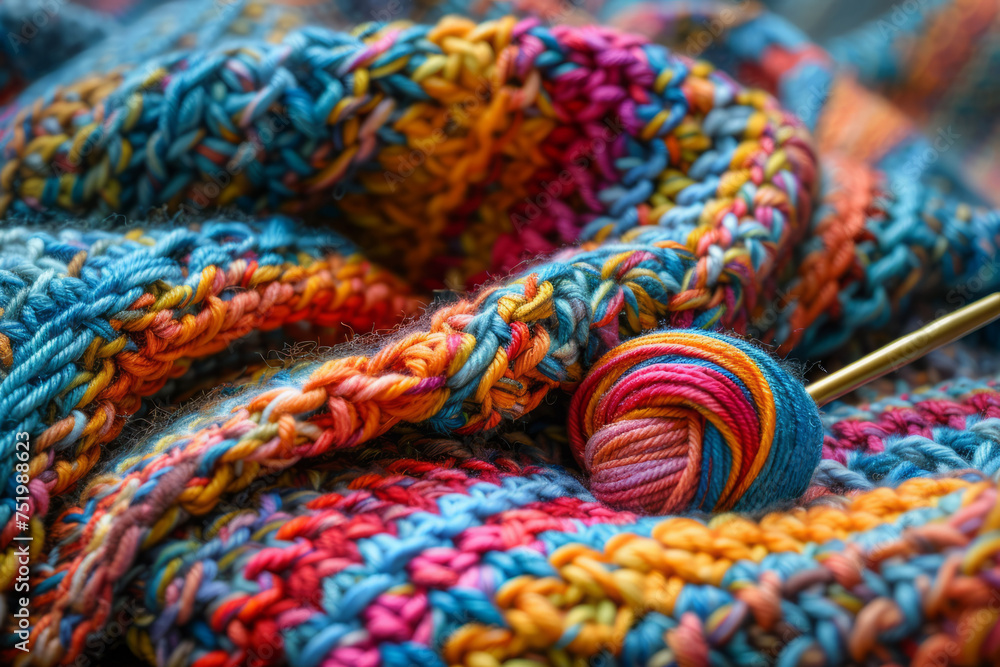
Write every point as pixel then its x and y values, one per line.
pixel 558 260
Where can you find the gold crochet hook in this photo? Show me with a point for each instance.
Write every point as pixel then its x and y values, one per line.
pixel 909 348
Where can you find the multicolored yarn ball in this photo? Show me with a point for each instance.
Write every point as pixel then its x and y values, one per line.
pixel 411 500
pixel 680 419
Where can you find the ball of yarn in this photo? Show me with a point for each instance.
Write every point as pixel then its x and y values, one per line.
pixel 686 419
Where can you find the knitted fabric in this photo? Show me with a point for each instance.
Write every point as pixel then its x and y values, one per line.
pixel 415 499
pixel 76 366
pixel 305 121
pixel 38 36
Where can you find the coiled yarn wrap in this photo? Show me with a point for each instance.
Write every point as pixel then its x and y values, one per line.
pixel 683 419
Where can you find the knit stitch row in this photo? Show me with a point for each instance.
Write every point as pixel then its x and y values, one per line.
pixel 501 559
pixel 480 143
pixel 96 321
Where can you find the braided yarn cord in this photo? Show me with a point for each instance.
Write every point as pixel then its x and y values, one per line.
pixel 556 258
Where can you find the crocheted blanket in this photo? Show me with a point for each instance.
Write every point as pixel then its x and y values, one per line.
pixel 451 333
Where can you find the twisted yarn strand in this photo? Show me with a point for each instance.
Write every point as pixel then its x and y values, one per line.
pixel 92 323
